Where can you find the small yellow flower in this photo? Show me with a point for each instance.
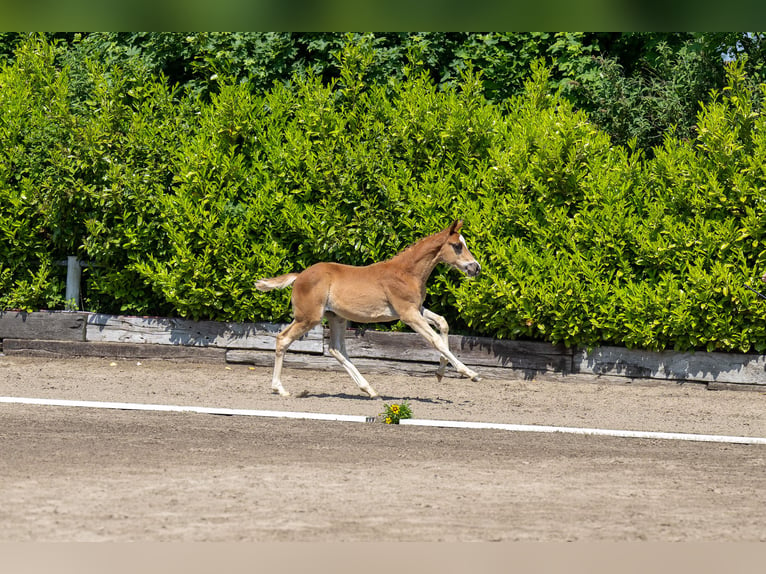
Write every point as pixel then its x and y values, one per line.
pixel 394 413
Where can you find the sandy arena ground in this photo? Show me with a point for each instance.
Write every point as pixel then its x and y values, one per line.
pixel 75 474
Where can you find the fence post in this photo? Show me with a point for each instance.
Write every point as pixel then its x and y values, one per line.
pixel 73 272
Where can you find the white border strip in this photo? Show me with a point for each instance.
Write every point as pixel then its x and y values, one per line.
pixel 587 431
pixel 364 419
pixel 184 409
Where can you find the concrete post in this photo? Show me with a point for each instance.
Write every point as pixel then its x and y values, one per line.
pixel 73 272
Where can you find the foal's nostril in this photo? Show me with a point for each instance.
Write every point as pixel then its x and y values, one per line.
pixel 473 269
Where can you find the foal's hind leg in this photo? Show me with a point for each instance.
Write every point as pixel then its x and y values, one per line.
pixel 440 323
pixel 338 350
pixel 293 331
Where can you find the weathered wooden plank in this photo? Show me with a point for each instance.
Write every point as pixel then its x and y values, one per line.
pixel 759 387
pixel 519 355
pixel 325 363
pixel 671 365
pixel 372 351
pixel 366 366
pixel 165 331
pixel 43 325
pixel 63 349
pixel 475 351
pixel 382 345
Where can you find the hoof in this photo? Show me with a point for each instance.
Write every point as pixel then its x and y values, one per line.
pixel 280 391
pixel 473 376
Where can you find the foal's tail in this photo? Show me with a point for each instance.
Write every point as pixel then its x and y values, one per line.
pixel 276 282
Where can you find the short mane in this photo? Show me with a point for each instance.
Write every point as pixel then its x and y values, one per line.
pixel 430 243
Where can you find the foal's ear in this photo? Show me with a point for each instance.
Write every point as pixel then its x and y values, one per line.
pixel 455 227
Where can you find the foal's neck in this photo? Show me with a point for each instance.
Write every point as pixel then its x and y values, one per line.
pixel 420 258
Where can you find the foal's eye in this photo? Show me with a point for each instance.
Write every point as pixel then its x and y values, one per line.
pixel 458 247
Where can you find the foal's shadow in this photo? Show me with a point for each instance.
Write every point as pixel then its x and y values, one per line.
pixel 382 398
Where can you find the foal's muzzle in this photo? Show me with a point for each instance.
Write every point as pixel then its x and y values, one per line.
pixel 472 269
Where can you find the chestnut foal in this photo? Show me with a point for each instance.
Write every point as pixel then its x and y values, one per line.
pixel 384 291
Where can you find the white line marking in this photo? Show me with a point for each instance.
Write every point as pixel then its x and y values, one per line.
pixel 587 431
pixel 183 409
pixel 407 422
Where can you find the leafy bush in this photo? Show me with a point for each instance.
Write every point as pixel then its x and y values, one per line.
pixel 31 121
pixel 641 107
pixel 180 201
pixel 349 172
pixel 649 254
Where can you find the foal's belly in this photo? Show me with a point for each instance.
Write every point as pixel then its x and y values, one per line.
pixel 360 307
pixel 364 314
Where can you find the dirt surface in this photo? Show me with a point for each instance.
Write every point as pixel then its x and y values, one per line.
pixel 76 474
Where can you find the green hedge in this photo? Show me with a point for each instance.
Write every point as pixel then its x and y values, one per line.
pixel 180 204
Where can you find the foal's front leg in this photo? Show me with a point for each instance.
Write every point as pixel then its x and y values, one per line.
pixel 440 323
pixel 414 319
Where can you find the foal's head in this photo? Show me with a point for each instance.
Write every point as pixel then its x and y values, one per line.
pixel 455 252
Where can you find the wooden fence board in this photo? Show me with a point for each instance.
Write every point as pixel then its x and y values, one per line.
pixel 163 331
pixel 59 349
pixel 523 355
pixel 82 334
pixel 365 366
pixel 673 366
pixel 44 325
pixel 475 351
